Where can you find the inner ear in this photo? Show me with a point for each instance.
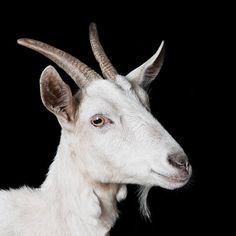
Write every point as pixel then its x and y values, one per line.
pixel 56 95
pixel 148 71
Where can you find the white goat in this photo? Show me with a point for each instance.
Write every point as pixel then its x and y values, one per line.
pixel 109 139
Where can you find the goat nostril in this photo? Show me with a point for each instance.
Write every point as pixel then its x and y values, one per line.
pixel 178 160
pixel 181 162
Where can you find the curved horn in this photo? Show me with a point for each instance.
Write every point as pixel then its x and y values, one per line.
pixel 78 71
pixel 107 68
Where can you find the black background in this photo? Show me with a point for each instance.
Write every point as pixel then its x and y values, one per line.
pixel 184 98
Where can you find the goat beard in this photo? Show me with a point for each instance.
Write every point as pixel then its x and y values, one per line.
pixel 143 194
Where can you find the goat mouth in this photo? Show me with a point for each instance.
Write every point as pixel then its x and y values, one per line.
pixel 172 178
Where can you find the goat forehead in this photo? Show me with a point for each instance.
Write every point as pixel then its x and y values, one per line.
pixel 104 96
pixel 111 91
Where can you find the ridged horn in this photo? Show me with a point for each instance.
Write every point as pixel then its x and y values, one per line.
pixel 108 70
pixel 77 70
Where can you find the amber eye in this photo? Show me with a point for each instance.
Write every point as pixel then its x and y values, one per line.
pixel 98 121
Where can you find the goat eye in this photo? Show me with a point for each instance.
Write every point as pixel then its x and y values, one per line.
pixel 98 121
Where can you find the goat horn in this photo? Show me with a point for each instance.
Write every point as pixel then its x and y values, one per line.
pixel 78 71
pixel 107 68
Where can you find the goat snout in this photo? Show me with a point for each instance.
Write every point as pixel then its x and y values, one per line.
pixel 179 160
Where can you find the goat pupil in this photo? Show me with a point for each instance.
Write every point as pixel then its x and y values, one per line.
pixel 97 121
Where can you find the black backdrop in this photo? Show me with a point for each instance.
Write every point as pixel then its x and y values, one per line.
pixel 182 99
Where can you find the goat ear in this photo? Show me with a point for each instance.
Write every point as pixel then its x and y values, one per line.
pixel 148 71
pixel 56 95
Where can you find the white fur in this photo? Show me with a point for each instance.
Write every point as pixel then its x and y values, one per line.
pixel 93 165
